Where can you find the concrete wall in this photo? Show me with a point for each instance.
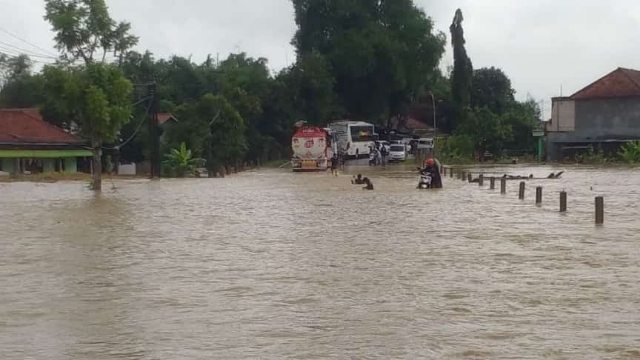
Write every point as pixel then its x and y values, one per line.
pixel 7 165
pixel 563 115
pixel 49 165
pixel 127 169
pixel 608 118
pixel 598 120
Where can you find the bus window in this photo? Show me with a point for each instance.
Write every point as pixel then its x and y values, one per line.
pixel 361 133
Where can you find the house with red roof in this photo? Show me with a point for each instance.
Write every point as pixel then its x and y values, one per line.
pixel 604 115
pixel 30 144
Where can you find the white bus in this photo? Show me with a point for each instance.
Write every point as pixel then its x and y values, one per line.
pixel 354 138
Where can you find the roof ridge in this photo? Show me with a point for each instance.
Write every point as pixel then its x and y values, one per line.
pixel 625 72
pixel 611 84
pixel 46 123
pixel 593 83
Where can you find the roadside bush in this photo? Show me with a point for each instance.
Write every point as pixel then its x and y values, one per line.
pixel 455 149
pixel 592 156
pixel 630 152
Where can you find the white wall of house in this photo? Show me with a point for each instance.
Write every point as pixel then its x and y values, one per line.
pixel 127 169
pixel 563 116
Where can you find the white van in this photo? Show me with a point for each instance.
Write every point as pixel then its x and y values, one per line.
pixel 425 143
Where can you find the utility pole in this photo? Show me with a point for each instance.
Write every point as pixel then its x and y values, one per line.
pixel 153 131
pixel 435 125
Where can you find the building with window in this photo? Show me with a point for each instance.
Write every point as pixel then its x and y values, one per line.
pixel 602 116
pixel 28 144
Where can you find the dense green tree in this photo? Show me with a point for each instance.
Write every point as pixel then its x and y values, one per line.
pixel 14 67
pixel 213 128
pixel 380 53
pixel 487 131
pixel 492 88
pixel 522 118
pixel 19 87
pixel 95 97
pixel 462 75
pixel 226 128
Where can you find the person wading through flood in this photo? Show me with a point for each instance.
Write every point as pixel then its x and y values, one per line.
pixel 358 180
pixel 368 183
pixel 432 168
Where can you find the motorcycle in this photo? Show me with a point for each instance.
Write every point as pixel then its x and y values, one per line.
pixel 425 180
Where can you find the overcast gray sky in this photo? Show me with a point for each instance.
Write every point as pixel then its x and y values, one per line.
pixel 541 44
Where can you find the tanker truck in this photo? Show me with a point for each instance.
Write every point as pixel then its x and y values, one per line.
pixel 312 149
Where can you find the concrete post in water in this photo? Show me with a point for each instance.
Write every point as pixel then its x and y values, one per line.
pixel 451 173
pixel 492 183
pixel 599 210
pixel 538 195
pixel 503 186
pixel 444 170
pixel 521 191
pixel 481 180
pixel 462 176
pixel 563 201
pixel 470 177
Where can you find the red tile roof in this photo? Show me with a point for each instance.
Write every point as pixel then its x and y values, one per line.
pixel 618 83
pixel 164 117
pixel 27 126
pixel 414 124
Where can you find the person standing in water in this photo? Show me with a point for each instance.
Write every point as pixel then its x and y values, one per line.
pixel 334 165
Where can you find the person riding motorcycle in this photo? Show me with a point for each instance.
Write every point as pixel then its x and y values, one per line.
pixel 432 168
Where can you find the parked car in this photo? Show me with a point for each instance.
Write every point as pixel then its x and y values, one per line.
pixel 397 152
pixel 425 143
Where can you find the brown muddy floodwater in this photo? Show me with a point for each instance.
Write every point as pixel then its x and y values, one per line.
pixel 276 265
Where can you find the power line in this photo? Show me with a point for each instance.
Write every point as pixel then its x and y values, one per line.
pixel 4 52
pixel 26 52
pixel 25 41
pixel 11 48
pixel 117 147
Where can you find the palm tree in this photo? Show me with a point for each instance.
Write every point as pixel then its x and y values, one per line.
pixel 181 162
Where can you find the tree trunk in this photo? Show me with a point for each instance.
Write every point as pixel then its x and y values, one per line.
pixel 96 146
pixel 210 163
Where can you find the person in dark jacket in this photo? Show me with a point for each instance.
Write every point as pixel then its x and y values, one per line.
pixel 432 168
pixel 334 165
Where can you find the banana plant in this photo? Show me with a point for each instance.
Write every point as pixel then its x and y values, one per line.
pixel 180 162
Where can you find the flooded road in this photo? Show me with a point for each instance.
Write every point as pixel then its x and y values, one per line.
pixel 275 265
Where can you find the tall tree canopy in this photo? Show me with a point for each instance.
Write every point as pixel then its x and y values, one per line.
pixel 95 96
pixel 380 53
pixel 19 86
pixel 462 75
pixel 84 29
pixel 492 88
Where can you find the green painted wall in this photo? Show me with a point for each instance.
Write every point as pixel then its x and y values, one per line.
pixel 44 154
pixel 7 165
pixel 49 165
pixel 71 165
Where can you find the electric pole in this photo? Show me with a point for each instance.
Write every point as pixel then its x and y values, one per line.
pixel 154 131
